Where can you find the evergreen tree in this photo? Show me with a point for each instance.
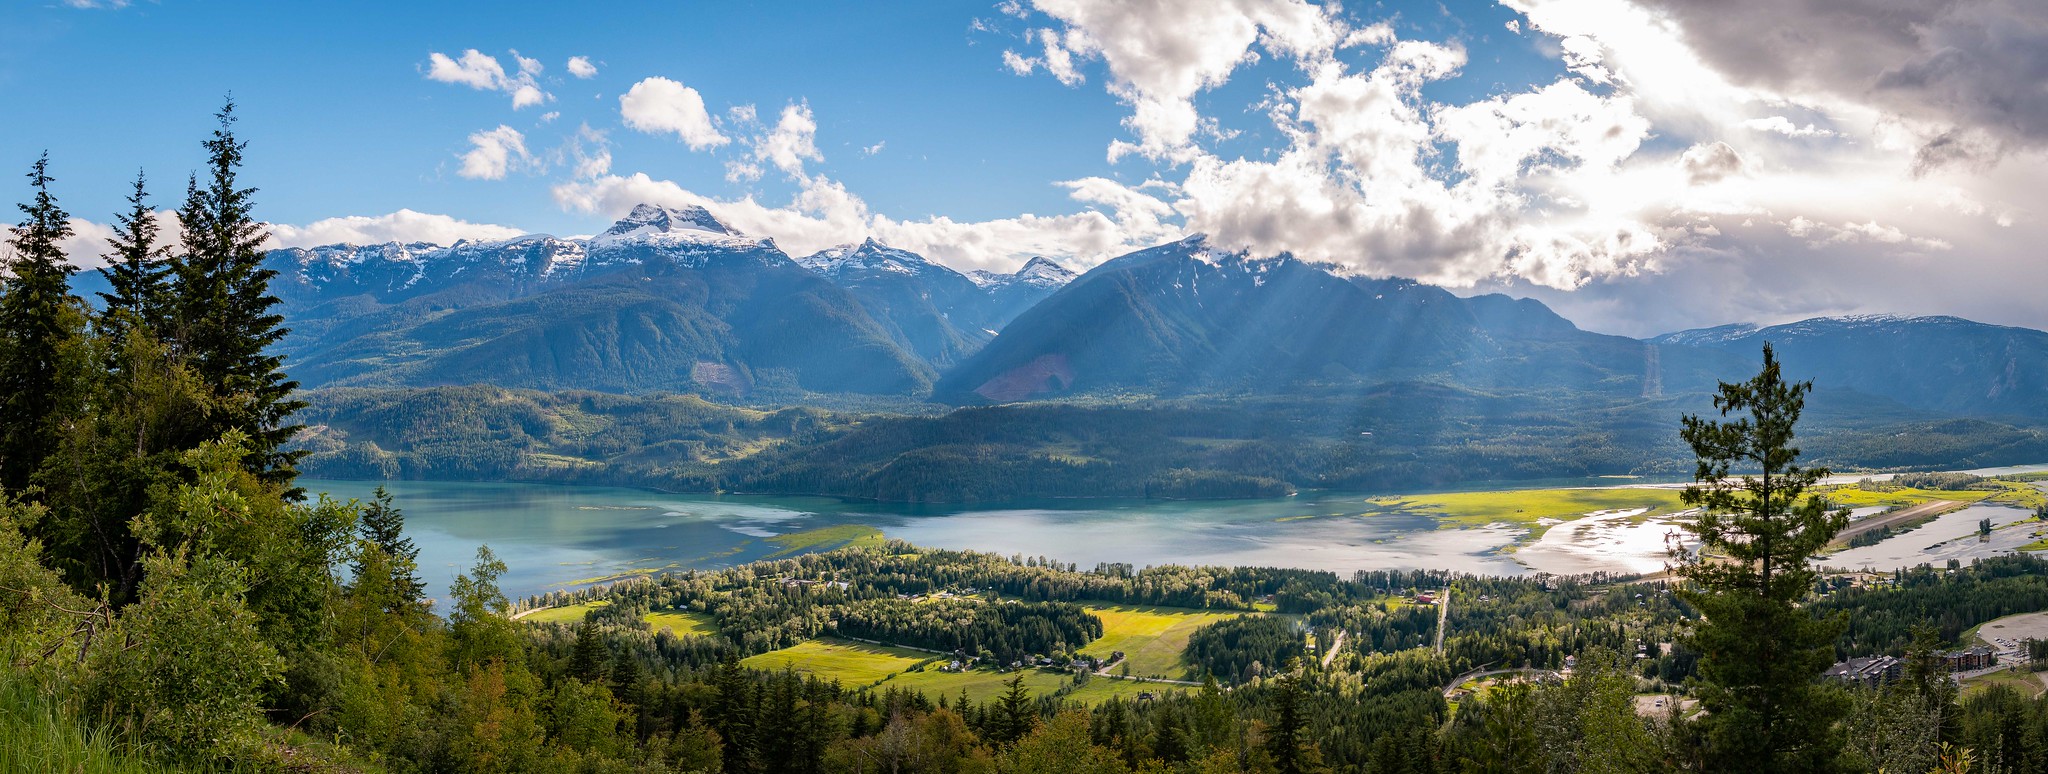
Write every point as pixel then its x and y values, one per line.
pixel 383 525
pixel 137 271
pixel 1014 716
pixel 1288 742
pixel 39 319
pixel 587 662
pixel 225 324
pixel 1761 652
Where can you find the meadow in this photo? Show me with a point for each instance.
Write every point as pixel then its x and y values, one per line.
pixel 1151 638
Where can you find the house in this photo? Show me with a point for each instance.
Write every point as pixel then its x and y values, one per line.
pixel 1425 598
pixel 1866 672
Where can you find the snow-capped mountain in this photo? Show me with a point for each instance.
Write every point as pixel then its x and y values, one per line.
pixel 665 299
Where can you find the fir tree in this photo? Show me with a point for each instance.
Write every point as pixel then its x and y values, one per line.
pixel 38 321
pixel 1014 716
pixel 383 525
pixel 587 662
pixel 1288 742
pixel 225 325
pixel 137 271
pixel 1761 652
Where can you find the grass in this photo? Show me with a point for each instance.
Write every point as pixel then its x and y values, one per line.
pixel 1856 496
pixel 2019 679
pixel 569 614
pixel 683 624
pixel 981 685
pixel 853 664
pixel 826 539
pixel 1529 507
pixel 1151 638
pixel 37 734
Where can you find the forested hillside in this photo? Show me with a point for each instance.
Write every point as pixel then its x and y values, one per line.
pixel 1391 437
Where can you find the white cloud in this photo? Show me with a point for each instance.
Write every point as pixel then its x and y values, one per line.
pixel 400 226
pixel 824 213
pixel 581 67
pixel 793 141
pixel 493 153
pixel 1161 53
pixel 873 149
pixel 481 71
pixel 658 105
pixel 1784 126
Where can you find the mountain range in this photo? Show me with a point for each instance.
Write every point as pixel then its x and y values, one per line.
pixel 665 299
pixel 676 300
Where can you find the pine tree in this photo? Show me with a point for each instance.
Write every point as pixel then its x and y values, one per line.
pixel 1761 652
pixel 1288 742
pixel 39 319
pixel 587 661
pixel 383 525
pixel 137 271
pixel 224 323
pixel 1014 714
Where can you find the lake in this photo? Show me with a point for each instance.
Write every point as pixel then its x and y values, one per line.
pixel 561 536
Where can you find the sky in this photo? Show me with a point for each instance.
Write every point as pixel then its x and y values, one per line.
pixel 1640 165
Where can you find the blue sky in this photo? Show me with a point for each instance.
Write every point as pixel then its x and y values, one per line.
pixel 1609 156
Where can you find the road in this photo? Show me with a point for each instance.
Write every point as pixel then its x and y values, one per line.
pixel 1480 674
pixel 1921 511
pixel 1332 653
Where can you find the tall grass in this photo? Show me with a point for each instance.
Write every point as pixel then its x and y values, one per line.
pixel 39 733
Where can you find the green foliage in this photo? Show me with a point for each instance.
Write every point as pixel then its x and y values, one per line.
pixel 1760 648
pixel 39 322
pixel 185 666
pixel 224 323
pixel 1245 647
pixel 138 272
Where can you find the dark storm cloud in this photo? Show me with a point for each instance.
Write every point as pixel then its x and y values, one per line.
pixel 1974 67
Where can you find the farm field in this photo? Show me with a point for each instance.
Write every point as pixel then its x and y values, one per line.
pixel 1151 638
pixel 683 624
pixel 853 664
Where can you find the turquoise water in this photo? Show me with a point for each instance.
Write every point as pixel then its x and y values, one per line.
pixel 561 536
pixel 557 536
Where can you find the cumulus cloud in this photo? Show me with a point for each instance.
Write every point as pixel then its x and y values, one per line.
pixel 793 140
pixel 493 153
pixel 1161 53
pixel 401 226
pixel 483 72
pixel 658 105
pixel 581 67
pixel 1710 162
pixel 823 213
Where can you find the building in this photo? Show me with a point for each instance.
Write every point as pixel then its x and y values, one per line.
pixel 1980 657
pixel 1867 672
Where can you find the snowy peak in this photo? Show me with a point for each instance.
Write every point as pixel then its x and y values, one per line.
pixel 1039 272
pixel 869 258
pixel 656 219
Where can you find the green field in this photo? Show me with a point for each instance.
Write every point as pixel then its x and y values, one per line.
pixel 1527 507
pixel 826 539
pixel 982 685
pixel 853 664
pixel 567 614
pixel 683 624
pixel 1151 638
